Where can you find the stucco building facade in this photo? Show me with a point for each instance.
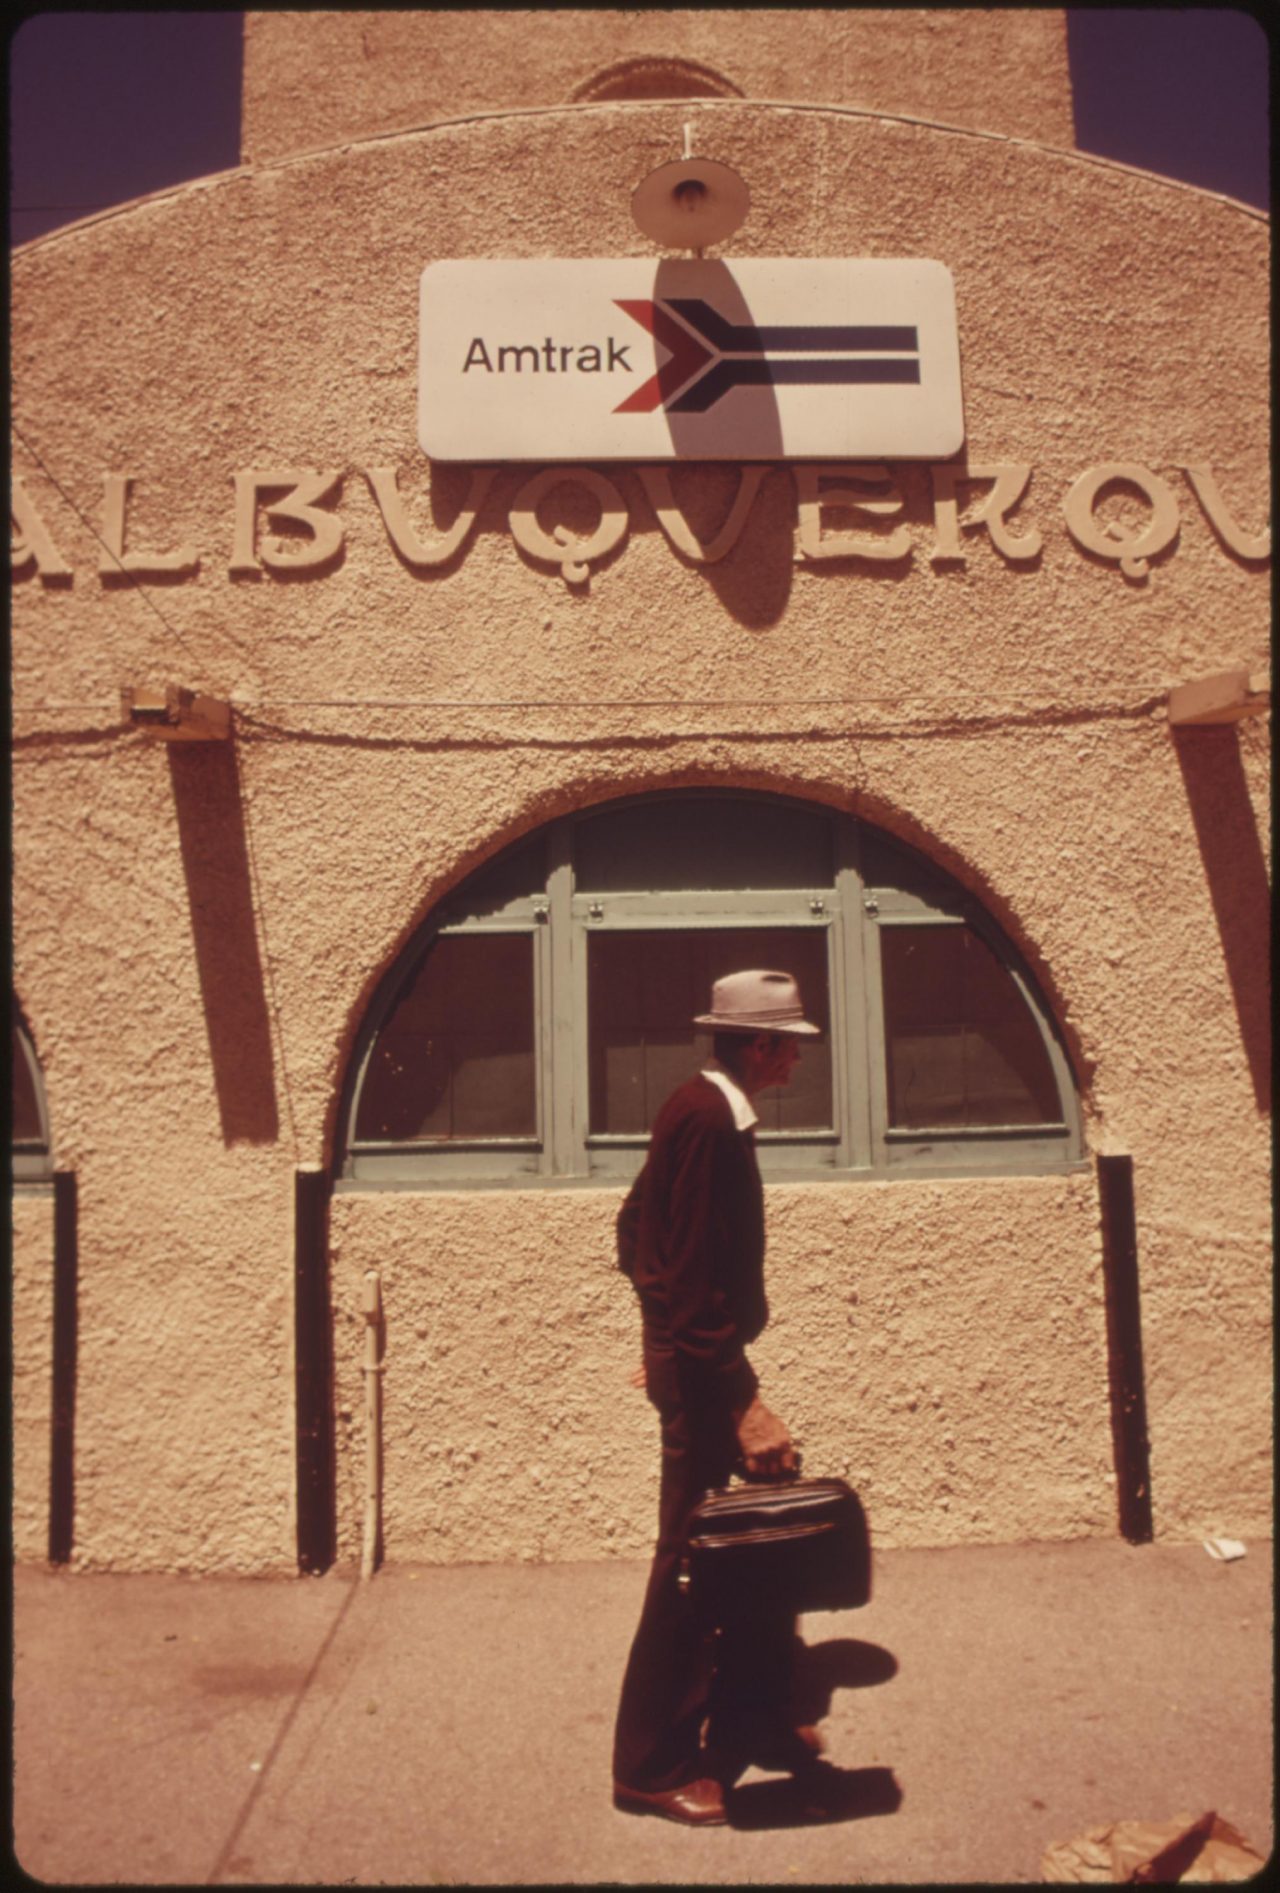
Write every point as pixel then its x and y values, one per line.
pixel 366 957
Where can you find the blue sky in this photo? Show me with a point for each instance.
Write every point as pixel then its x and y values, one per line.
pixel 106 106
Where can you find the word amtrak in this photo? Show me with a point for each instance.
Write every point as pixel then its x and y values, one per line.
pixel 584 357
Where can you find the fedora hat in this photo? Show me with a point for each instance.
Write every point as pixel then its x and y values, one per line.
pixel 757 1002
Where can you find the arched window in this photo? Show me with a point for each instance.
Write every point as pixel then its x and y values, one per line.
pixel 32 1152
pixel 655 76
pixel 542 1014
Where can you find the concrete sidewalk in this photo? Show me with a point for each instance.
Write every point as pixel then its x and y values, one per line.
pixel 446 1725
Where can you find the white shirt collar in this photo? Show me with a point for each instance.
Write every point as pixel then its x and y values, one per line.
pixel 744 1117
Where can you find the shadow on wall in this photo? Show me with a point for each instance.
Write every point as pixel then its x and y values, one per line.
pixel 1236 871
pixel 755 587
pixel 215 861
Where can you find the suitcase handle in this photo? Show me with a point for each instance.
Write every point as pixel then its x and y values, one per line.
pixel 770 1478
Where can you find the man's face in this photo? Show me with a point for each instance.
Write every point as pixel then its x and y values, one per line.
pixel 769 1062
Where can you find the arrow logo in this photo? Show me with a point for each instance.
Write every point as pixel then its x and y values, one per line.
pixel 707 356
pixel 687 357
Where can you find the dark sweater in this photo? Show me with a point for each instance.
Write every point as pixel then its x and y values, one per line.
pixel 691 1237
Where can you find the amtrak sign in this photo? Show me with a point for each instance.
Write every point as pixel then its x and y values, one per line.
pixel 688 360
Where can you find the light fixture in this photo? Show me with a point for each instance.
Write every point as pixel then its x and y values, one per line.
pixel 690 203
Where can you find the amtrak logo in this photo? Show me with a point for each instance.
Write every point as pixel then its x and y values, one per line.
pixel 708 356
pixel 545 359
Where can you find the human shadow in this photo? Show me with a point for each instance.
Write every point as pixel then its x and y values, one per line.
pixel 821 1791
pixel 818 1794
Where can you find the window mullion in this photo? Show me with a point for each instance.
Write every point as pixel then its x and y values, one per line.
pixel 563 1145
pixel 691 910
pixel 850 1010
pixel 873 1014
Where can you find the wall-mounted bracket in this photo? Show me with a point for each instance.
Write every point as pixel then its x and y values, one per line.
pixel 1225 697
pixel 174 713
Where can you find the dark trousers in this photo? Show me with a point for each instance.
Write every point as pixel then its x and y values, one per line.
pixel 678 1675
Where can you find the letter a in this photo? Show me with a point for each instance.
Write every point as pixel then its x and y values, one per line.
pixel 478 359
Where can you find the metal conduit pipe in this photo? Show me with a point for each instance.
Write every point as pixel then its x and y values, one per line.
pixel 66 1317
pixel 313 1371
pixel 372 1370
pixel 1131 1441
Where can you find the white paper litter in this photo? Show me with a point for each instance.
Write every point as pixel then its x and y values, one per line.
pixel 1224 1549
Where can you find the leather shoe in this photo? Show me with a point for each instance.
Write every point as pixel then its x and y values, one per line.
pixel 695 1803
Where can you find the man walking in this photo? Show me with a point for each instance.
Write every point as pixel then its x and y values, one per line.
pixel 691 1237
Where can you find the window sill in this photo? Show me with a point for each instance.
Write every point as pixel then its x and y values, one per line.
pixel 959 1170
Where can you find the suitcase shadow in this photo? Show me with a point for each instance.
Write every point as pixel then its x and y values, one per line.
pixel 818 1794
pixel 839 1663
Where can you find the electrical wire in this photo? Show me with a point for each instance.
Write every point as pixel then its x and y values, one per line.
pixel 1152 696
pixel 1152 691
pixel 929 719
pixel 950 725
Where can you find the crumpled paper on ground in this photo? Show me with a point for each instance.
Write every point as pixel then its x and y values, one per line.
pixel 1202 1852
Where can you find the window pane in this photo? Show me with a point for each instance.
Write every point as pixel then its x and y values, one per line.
pixel 455 1058
pixel 516 874
pixel 961 1045
pixel 25 1107
pixel 643 992
pixel 891 865
pixel 711 843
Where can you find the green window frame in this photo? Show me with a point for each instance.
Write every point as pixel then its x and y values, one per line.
pixel 628 871
pixel 31 1148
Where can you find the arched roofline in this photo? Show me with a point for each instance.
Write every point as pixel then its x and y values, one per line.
pixel 252 170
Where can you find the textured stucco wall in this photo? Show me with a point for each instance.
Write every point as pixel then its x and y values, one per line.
pixel 511 1431
pixel 197 933
pixel 311 79
pixel 30 1389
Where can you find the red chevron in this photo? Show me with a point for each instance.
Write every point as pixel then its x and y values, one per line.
pixel 686 356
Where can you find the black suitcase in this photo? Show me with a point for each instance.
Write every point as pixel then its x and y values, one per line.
pixel 797 1545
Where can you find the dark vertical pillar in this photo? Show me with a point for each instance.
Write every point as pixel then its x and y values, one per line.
pixel 1124 1348
pixel 66 1321
pixel 313 1371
